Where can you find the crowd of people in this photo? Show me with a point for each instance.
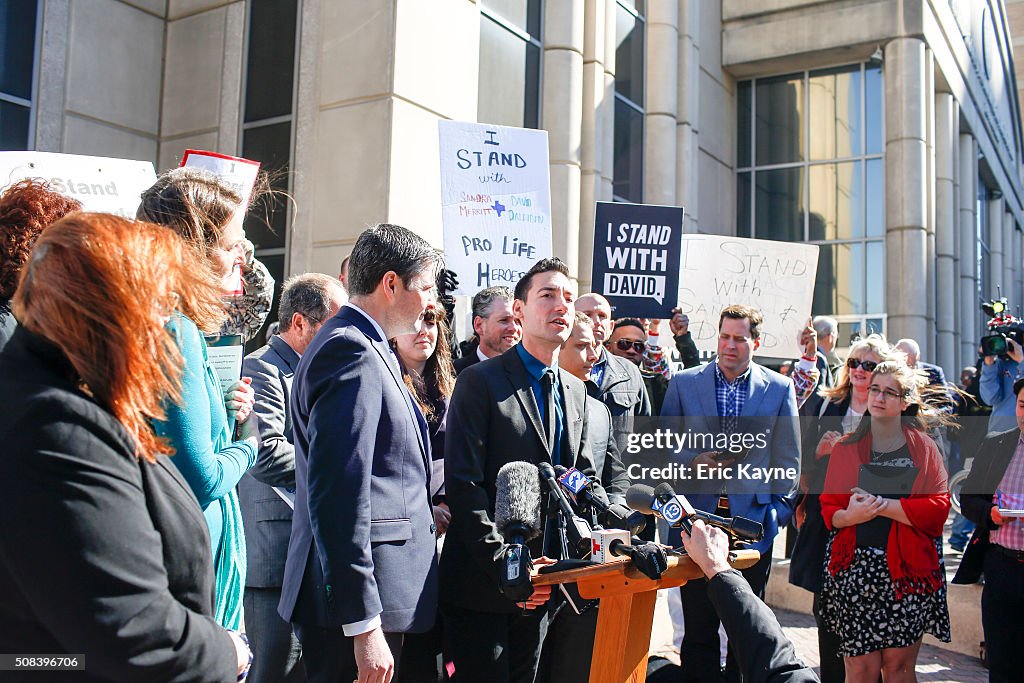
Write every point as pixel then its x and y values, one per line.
pixel 330 514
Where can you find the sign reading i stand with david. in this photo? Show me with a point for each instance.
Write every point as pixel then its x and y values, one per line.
pixel 636 257
pixel 495 202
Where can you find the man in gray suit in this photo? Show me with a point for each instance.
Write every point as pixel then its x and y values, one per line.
pixel 734 396
pixel 266 492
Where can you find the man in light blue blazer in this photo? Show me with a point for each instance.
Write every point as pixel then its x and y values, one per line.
pixel 734 395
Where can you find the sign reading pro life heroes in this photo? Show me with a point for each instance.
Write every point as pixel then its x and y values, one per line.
pixel 495 202
pixel 636 258
pixel 777 278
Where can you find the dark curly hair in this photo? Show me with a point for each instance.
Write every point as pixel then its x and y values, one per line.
pixel 26 208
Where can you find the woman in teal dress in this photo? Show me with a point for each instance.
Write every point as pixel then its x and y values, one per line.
pixel 201 425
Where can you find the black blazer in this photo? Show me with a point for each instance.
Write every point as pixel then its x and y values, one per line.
pixel 761 648
pixel 362 541
pixel 990 463
pixel 493 419
pixel 267 518
pixel 469 360
pixel 808 562
pixel 102 554
pixel 604 451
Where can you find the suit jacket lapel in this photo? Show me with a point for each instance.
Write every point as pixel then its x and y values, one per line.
pixel 391 362
pixel 521 385
pixel 708 396
pixel 758 387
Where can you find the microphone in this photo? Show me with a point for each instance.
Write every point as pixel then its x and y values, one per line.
pixel 580 488
pixel 517 516
pixel 661 502
pixel 675 509
pixel 576 529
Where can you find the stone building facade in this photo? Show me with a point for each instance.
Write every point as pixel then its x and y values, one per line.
pixel 886 131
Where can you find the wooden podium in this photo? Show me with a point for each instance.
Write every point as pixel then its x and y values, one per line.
pixel 626 613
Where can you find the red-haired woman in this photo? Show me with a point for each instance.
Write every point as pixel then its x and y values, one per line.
pixel 104 553
pixel 25 209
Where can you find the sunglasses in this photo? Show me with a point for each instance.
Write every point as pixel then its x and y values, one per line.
pixel 626 345
pixel 868 365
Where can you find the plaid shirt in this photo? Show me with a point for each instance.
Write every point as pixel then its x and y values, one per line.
pixel 1010 495
pixel 730 397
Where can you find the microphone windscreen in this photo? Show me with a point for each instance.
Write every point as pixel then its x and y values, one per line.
pixel 517 499
pixel 664 490
pixel 639 497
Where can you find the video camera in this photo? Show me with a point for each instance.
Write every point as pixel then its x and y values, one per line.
pixel 1002 327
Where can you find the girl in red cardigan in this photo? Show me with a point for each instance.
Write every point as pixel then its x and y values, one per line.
pixel 885 584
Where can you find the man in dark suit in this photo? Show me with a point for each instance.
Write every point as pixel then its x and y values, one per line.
pixel 266 493
pixel 618 381
pixel 519 406
pixel 496 329
pixel 570 636
pixel 734 396
pixel 361 565
pixel 996 549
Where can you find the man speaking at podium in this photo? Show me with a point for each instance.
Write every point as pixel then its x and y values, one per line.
pixel 518 406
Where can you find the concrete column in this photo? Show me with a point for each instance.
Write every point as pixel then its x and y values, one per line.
pixel 1010 264
pixel 596 124
pixel 945 229
pixel 1018 266
pixel 688 112
pixel 953 294
pixel 608 104
pixel 661 56
pixel 906 193
pixel 995 248
pixel 969 315
pixel 52 75
pixel 928 343
pixel 562 118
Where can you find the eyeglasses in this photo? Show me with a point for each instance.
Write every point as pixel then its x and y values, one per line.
pixel 868 365
pixel 626 345
pixel 887 393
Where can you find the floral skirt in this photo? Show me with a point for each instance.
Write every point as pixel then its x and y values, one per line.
pixel 859 605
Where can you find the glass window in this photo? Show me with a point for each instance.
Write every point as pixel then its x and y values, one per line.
pixel 839 286
pixel 18 29
pixel 267 222
pixel 271 61
pixel 743 205
pixel 836 201
pixel 778 202
pixel 510 52
pixel 873 114
pixel 834 113
pixel 743 127
pixel 17 72
pixel 628 166
pixel 819 177
pixel 629 153
pixel 14 125
pixel 779 107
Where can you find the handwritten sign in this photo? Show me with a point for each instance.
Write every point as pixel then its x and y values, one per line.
pixel 101 184
pixel 238 173
pixel 636 257
pixel 777 278
pixel 495 202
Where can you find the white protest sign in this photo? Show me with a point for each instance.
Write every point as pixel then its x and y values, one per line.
pixel 237 173
pixel 495 202
pixel 101 184
pixel 777 278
